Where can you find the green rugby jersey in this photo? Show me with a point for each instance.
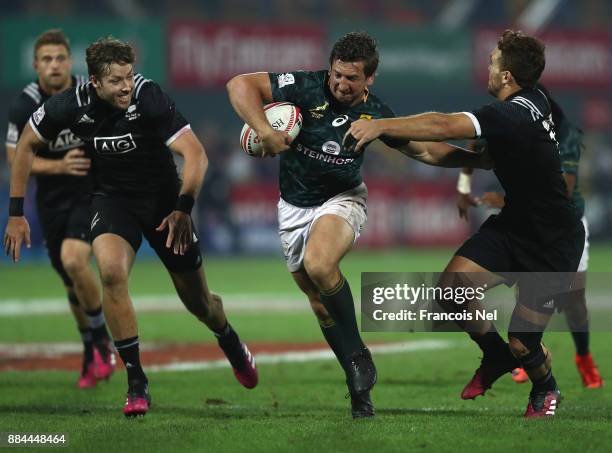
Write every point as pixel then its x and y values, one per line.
pixel 570 147
pixel 317 167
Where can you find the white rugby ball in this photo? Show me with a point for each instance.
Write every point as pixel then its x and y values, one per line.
pixel 282 116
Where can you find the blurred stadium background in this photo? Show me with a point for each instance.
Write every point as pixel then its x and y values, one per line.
pixel 433 57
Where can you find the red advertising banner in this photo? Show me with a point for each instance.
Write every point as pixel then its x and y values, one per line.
pixel 417 213
pixel 574 59
pixel 207 54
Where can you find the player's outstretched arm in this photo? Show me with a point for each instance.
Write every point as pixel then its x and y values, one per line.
pixel 445 155
pixel 178 222
pixel 248 93
pixel 434 127
pixel 17 228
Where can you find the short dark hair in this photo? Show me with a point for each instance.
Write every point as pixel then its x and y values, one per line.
pixel 523 56
pixel 356 46
pixel 54 36
pixel 105 51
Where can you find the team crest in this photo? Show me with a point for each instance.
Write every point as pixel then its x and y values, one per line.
pixel 317 112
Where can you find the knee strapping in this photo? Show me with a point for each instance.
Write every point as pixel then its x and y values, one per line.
pixel 73 300
pixel 533 343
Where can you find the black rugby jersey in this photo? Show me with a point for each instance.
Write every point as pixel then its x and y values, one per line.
pixel 522 142
pixel 317 166
pixel 569 137
pixel 54 192
pixel 129 147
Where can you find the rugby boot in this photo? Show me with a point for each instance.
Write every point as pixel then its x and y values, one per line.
pixel 543 404
pixel 589 373
pixel 240 358
pixel 105 361
pixel 138 399
pixel 361 405
pixel 519 376
pixel 360 371
pixel 87 379
pixel 487 373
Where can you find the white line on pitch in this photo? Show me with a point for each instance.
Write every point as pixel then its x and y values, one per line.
pixel 308 356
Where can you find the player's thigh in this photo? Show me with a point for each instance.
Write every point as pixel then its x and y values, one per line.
pixel 329 239
pixel 53 225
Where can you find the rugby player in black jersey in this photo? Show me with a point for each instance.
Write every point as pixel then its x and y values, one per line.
pixel 64 185
pixel 131 126
pixel 322 206
pixel 537 231
pixel 570 141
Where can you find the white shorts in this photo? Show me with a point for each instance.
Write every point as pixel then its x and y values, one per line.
pixel 294 223
pixel 584 259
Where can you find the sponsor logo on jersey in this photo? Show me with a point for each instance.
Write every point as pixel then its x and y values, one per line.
pixel 324 157
pixel 64 141
pixel 86 119
pixel 115 145
pixel 337 122
pixel 38 115
pixel 331 148
pixel 131 113
pixel 365 116
pixel 285 79
pixel 317 112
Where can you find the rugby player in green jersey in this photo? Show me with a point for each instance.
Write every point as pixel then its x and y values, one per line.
pixel 322 206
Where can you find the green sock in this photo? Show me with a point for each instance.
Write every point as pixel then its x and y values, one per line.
pixel 339 303
pixel 333 336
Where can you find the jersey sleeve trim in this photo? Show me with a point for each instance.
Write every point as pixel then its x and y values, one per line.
pixel 475 122
pixel 33 126
pixel 180 132
pixel 140 81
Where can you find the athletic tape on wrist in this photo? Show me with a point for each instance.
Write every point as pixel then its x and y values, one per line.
pixel 16 207
pixel 464 184
pixel 185 203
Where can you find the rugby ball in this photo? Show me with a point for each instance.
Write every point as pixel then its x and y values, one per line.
pixel 282 116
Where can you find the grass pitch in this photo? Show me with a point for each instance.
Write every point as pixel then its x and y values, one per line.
pixel 297 406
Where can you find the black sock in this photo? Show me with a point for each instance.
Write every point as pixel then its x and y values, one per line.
pixel 87 346
pixel 581 339
pixel 224 331
pixel 333 336
pixel 495 349
pixel 129 351
pixel 545 384
pixel 339 304
pixel 97 324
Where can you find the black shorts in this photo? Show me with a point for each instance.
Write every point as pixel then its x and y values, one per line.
pixel 57 225
pixel 131 219
pixel 541 270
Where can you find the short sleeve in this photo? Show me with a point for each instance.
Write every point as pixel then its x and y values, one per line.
pixel 496 120
pixel 161 113
pixel 53 116
pixel 292 86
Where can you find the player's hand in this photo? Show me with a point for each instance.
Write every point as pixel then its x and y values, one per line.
pixel 274 142
pixel 75 163
pixel 180 233
pixel 464 201
pixel 17 231
pixel 492 200
pixel 360 134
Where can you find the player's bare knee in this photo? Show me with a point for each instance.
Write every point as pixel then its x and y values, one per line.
pixel 113 278
pixel 73 263
pixel 323 274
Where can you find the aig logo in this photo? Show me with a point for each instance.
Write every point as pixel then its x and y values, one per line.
pixel 64 141
pixel 115 145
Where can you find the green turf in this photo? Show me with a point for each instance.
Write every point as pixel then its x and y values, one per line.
pixel 301 407
pixel 297 407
